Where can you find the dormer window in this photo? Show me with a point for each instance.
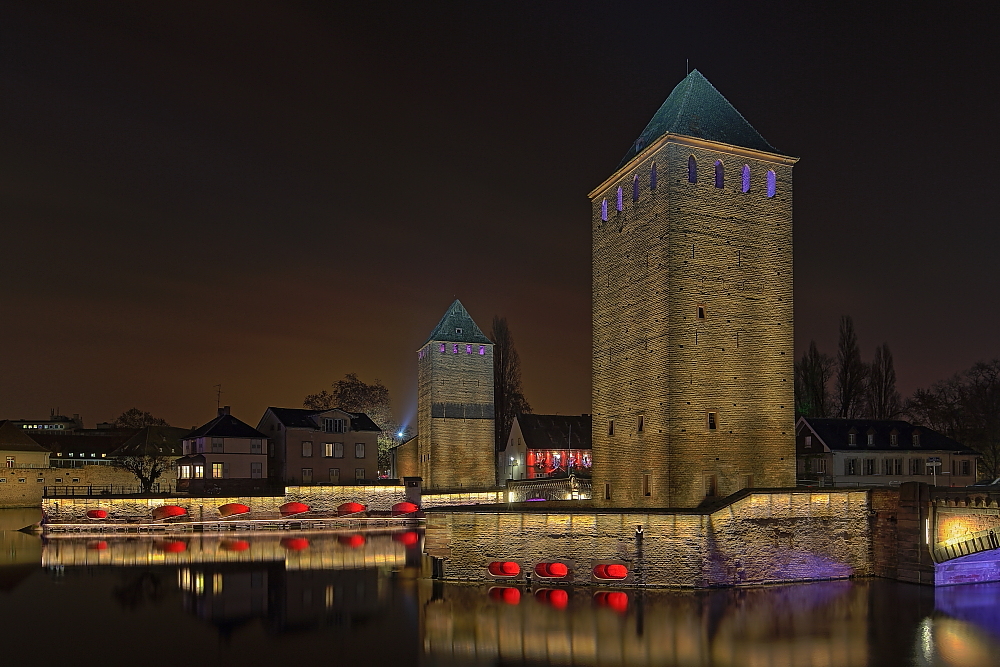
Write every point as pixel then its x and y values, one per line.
pixel 852 438
pixel 871 437
pixel 916 438
pixel 894 438
pixel 334 425
pixel 458 331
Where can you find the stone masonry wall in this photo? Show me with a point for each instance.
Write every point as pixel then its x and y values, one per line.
pixel 15 493
pixel 760 538
pixel 680 246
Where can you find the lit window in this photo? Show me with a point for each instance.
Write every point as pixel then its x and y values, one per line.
pixel 454 348
pixel 185 472
pixel 652 177
pixel 468 349
pixel 713 421
pixel 635 188
pixel 720 179
pixel 746 178
pixel 217 470
pixel 619 198
pixel 772 184
pixel 604 210
pixel 692 169
pixel 442 347
pixel 482 349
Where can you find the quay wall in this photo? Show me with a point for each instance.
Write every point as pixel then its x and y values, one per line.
pixel 22 487
pixel 760 537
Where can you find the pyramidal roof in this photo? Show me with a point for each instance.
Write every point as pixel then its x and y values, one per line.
pixel 696 109
pixel 457 326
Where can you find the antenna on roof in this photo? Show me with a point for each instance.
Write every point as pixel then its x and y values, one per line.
pixel 687 66
pixel 218 395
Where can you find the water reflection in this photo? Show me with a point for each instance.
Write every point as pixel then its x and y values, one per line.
pixel 362 595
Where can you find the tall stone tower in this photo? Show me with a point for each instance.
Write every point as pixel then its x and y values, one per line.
pixel 692 308
pixel 456 446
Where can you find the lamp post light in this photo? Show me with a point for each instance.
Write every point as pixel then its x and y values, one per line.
pixel 513 462
pixel 934 463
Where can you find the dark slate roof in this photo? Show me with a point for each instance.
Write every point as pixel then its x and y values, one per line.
pixel 455 319
pixel 303 418
pixel 555 431
pixel 225 426
pixel 165 440
pixel 696 109
pixel 14 439
pixel 834 434
pixel 89 442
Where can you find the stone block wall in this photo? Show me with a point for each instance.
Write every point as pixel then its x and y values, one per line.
pixel 676 248
pixel 15 493
pixel 760 538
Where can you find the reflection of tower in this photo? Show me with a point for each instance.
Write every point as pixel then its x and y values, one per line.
pixel 455 404
pixel 692 307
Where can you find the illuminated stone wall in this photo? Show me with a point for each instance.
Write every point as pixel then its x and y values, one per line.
pixel 761 537
pixel 680 246
pixel 14 493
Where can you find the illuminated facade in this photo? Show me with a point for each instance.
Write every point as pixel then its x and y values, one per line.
pixel 692 310
pixel 541 446
pixel 224 455
pixel 455 445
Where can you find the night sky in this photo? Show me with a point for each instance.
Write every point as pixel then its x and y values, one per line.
pixel 269 196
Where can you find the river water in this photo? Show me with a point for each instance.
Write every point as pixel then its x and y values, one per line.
pixel 359 599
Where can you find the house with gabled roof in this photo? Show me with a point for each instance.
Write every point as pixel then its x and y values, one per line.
pixel 226 455
pixel 540 446
pixel 321 446
pixel 879 452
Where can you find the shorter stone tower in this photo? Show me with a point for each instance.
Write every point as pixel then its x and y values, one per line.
pixel 456 446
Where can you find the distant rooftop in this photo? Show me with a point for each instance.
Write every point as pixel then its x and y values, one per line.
pixel 696 109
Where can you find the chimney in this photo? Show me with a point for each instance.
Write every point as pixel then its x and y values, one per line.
pixel 224 410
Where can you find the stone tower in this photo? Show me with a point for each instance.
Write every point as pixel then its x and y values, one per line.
pixel 692 308
pixel 456 446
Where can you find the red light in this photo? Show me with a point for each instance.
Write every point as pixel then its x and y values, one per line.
pixel 234 545
pixel 408 538
pixel 504 569
pixel 556 597
pixel 295 543
pixel 610 571
pixel 174 547
pixel 551 570
pixel 100 545
pixel 353 541
pixel 612 599
pixel 505 594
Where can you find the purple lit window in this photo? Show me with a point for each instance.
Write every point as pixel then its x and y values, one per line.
pixel 652 177
pixel 604 210
pixel 746 178
pixel 635 188
pixel 482 349
pixel 720 179
pixel 442 347
pixel 692 169
pixel 454 348
pixel 619 198
pixel 772 184
pixel 468 349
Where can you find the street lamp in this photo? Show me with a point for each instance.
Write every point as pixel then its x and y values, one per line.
pixel 934 463
pixel 513 462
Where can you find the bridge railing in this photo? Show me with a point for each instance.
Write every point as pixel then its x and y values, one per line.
pixel 984 540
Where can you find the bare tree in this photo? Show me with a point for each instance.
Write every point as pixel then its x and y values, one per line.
pixel 354 395
pixel 136 418
pixel 882 399
pixel 812 378
pixel 965 407
pixel 851 372
pixel 146 461
pixel 508 396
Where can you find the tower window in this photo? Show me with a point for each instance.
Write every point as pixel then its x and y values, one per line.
pixel 468 349
pixel 442 347
pixel 604 210
pixel 652 177
pixel 701 311
pixel 772 183
pixel 635 188
pixel 607 492
pixel 692 169
pixel 611 427
pixel 458 331
pixel 647 487
pixel 641 424
pixel 746 178
pixel 619 197
pixel 720 179
pixel 713 421
pixel 482 349
pixel 454 348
